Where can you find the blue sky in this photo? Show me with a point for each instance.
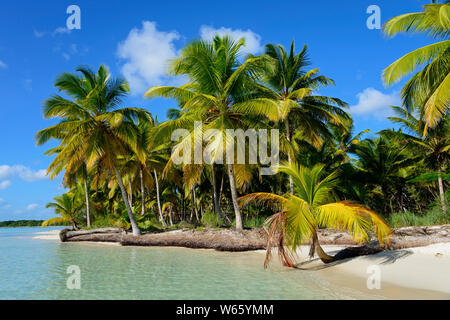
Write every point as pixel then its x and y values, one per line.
pixel 135 38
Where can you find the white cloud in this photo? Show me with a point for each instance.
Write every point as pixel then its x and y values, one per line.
pixel 145 53
pixel 4 184
pixel 3 65
pixel 22 172
pixel 252 40
pixel 32 207
pixel 375 103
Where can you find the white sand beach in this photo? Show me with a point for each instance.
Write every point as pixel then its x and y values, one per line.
pixel 423 270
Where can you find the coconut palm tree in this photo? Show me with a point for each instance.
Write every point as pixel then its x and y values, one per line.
pixel 217 83
pixel 93 129
pixel 434 148
pixel 383 166
pixel 313 206
pixel 288 98
pixel 67 206
pixel 429 89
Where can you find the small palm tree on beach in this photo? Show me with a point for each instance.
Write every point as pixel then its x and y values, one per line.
pixel 313 206
pixel 67 206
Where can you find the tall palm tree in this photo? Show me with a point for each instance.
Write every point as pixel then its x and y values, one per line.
pixel 429 89
pixel 218 82
pixel 288 98
pixel 67 206
pixel 310 207
pixel 93 129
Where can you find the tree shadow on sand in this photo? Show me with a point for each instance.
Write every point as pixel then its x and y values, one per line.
pixel 382 257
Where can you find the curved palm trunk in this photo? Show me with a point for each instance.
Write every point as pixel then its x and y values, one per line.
pixel 215 196
pixel 441 192
pixel 234 197
pixel 161 218
pixel 288 138
pixel 141 174
pixel 134 226
pixel 320 253
pixel 86 193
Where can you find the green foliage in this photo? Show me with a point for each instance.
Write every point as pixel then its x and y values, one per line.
pixel 254 222
pixel 210 220
pixel 151 225
pixel 25 223
pixel 434 216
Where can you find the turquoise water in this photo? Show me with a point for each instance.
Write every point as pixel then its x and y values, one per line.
pixel 36 269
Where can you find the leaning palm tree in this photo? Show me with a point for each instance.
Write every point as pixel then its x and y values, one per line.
pixel 429 89
pixel 93 129
pixel 288 98
pixel 218 82
pixel 67 206
pixel 313 206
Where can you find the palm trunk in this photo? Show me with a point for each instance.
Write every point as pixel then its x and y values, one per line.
pixel 141 174
pixel 441 192
pixel 86 193
pixel 161 218
pixel 134 226
pixel 320 253
pixel 170 216
pixel 215 196
pixel 131 195
pixel 288 138
pixel 234 197
pixel 194 204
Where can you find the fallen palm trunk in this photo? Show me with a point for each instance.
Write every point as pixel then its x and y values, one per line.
pixel 222 240
pixel 102 235
pixel 230 240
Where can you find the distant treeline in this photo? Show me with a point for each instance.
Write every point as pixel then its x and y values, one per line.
pixel 21 223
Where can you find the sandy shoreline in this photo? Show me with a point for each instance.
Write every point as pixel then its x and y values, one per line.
pixel 415 273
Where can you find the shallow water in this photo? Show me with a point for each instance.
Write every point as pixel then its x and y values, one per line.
pixel 37 269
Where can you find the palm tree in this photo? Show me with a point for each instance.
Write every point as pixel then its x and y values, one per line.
pixel 288 98
pixel 429 89
pixel 218 83
pixel 383 165
pixel 434 148
pixel 93 130
pixel 310 207
pixel 67 206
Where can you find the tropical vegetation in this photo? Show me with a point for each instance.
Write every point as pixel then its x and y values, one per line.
pixel 120 168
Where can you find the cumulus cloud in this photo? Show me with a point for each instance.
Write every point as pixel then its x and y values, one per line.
pixel 22 172
pixel 375 103
pixel 4 184
pixel 3 65
pixel 252 40
pixel 145 53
